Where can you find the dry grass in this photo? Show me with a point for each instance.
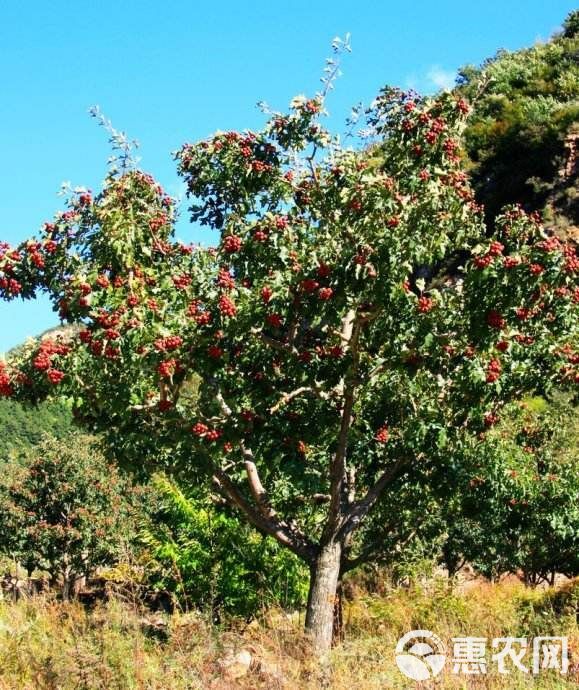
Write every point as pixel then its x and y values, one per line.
pixel 47 645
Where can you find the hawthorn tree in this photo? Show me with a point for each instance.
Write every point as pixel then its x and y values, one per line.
pixel 65 511
pixel 330 371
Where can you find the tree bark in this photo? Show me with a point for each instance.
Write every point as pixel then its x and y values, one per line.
pixel 325 575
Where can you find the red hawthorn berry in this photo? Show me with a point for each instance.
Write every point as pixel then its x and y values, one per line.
pixel 199 429
pixel 112 352
pixel 103 281
pixel 310 285
pixel 305 356
pixel 355 204
pixel 227 447
pixel 493 371
pixel 302 448
pixel 483 261
pixel 523 313
pixel 181 282
pixel 266 293
pixel 227 306
pixel 132 300
pixel 274 320
pixel 496 248
pixel 511 261
pixel 214 351
pixel 536 269
pixel 424 175
pixel 502 346
pixel 393 222
pixel 55 376
pixel 213 435
pixel 462 106
pixel 203 318
pixel 165 405
pixel 490 419
pixel 325 293
pixel 495 319
pixel 225 279
pixel 41 362
pixel 167 368
pixel 232 244
pixel 324 270
pixel 382 435
pixel 85 337
pixel 425 304
pixel 260 236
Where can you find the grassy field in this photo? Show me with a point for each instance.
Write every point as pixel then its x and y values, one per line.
pixel 45 644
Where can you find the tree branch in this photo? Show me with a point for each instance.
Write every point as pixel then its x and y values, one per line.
pixel 361 508
pixel 298 544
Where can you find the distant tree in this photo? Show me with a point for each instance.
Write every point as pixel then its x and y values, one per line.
pixel 65 511
pixel 518 510
pixel 330 372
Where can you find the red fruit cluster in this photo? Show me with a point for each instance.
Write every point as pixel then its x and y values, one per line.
pixel 199 429
pixel 425 304
pixel 382 435
pixel 571 259
pixel 46 352
pixel 181 282
pixel 203 431
pixel 103 281
pixel 511 261
pixel 490 419
pixel 274 320
pixel 495 319
pixel 225 279
pixel 6 389
pixel 325 293
pixel 215 352
pixel 168 344
pixel 227 306
pixel 536 269
pixel 502 346
pixel 132 300
pixel 493 371
pixel 168 368
pixel 55 376
pixel 232 244
pixel 266 293
pixel 310 285
pixel 260 235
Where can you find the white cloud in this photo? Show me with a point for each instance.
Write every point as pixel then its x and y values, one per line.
pixel 441 78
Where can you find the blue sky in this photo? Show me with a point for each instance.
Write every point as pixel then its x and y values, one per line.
pixel 176 71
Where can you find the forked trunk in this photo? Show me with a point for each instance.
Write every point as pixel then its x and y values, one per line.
pixel 325 575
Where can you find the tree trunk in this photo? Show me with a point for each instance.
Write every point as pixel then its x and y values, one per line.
pixel 325 574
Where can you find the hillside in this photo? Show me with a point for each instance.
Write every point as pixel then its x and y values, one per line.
pixel 524 131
